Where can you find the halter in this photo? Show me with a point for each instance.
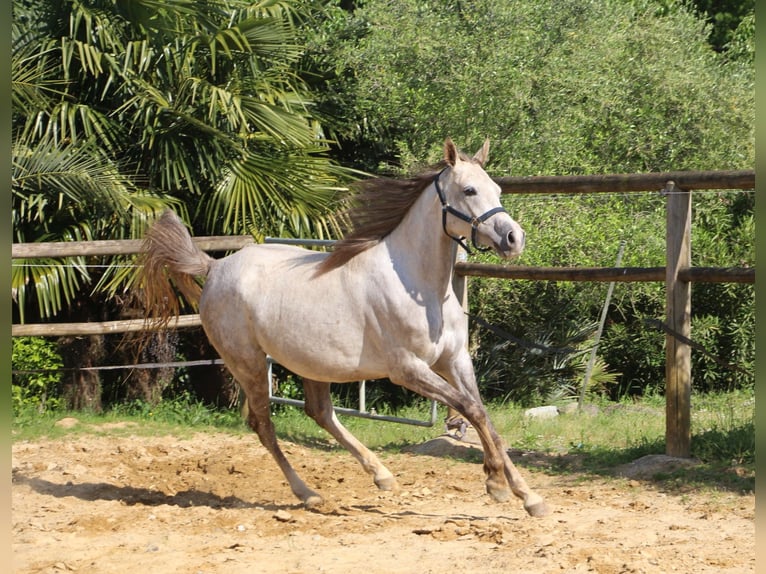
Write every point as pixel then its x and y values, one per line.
pixel 474 221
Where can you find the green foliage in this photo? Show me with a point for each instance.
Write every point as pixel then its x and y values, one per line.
pixel 122 109
pixel 732 443
pixel 581 231
pixel 725 18
pixel 35 385
pixel 559 87
pixel 723 315
pixel 563 88
pixel 741 44
pixel 724 432
pixel 287 386
pixel 547 367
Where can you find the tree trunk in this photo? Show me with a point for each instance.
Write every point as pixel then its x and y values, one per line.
pixel 213 384
pixel 82 388
pixel 149 384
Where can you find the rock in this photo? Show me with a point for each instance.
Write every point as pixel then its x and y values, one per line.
pixel 446 445
pixel 573 408
pixel 283 516
pixel 545 412
pixel 652 464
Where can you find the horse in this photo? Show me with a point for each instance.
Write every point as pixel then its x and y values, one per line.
pixel 379 305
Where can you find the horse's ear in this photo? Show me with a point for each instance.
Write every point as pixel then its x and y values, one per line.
pixel 451 154
pixel 482 155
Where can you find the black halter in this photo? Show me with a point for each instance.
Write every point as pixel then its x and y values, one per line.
pixel 474 221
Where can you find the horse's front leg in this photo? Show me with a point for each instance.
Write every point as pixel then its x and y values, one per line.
pixel 457 389
pixel 319 407
pixel 459 372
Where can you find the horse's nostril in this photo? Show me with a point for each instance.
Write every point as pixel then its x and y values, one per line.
pixel 511 239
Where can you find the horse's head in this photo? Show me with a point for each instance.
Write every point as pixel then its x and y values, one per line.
pixel 471 204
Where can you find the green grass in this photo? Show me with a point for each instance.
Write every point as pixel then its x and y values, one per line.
pixel 183 417
pixel 594 441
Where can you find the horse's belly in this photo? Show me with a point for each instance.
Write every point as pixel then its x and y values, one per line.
pixel 337 342
pixel 327 366
pixel 323 350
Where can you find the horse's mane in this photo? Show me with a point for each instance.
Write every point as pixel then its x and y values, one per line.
pixel 378 206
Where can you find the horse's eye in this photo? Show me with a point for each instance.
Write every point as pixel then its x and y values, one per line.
pixel 469 190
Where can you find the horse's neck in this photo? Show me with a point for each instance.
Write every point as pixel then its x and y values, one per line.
pixel 420 245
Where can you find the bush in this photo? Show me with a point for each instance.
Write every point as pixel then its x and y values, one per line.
pixel 560 87
pixel 565 87
pixel 36 380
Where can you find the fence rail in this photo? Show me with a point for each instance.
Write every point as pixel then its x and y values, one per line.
pixel 463 269
pixel 678 274
pixel 628 182
pixel 607 274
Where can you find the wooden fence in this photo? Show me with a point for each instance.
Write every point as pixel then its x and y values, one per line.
pixel 678 274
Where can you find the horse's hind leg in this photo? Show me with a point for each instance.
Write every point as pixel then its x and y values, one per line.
pixel 319 407
pixel 256 388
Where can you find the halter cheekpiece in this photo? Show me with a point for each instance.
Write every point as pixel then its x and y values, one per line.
pixel 474 221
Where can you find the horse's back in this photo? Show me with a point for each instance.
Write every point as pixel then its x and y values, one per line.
pixel 270 299
pixel 257 279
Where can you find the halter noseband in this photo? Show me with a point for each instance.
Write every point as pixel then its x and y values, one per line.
pixel 474 221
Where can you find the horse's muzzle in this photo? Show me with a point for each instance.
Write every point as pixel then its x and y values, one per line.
pixel 512 241
pixel 516 238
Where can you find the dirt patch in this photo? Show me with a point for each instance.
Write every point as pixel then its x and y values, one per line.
pixel 216 503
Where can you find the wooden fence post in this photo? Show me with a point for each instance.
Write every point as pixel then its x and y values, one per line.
pixel 678 317
pixel 460 283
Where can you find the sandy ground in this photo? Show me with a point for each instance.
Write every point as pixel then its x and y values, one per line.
pixel 216 503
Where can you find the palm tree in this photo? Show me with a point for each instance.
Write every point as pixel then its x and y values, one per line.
pixel 122 108
pixel 223 119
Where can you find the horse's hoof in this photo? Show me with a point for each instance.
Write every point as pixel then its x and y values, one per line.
pixel 538 509
pixel 499 494
pixel 313 501
pixel 388 484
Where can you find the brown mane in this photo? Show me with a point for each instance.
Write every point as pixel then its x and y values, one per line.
pixel 378 207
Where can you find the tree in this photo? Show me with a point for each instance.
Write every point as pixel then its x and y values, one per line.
pixel 562 87
pixel 725 17
pixel 123 108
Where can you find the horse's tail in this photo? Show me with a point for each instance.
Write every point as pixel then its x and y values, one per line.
pixel 170 257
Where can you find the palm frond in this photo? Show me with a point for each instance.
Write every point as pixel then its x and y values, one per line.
pixel 270 38
pixel 33 80
pixel 69 193
pixel 207 106
pixel 52 282
pixel 288 193
pixel 77 175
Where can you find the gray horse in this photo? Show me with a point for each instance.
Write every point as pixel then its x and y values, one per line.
pixel 379 305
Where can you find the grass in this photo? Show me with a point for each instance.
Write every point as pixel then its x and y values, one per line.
pixel 592 442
